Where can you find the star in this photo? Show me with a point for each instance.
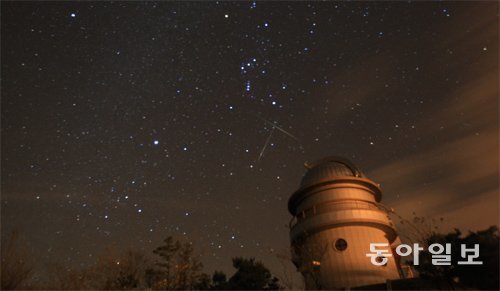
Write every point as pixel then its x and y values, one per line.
pixel 175 109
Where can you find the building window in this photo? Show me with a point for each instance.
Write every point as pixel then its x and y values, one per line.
pixel 340 244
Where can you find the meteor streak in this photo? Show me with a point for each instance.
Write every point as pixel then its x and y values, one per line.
pixel 268 140
pixel 265 145
pixel 280 129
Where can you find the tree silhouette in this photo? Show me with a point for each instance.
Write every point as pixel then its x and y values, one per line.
pixel 111 271
pixel 251 275
pixel 483 276
pixel 219 280
pixel 178 268
pixel 15 268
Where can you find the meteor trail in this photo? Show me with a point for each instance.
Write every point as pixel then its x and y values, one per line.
pixel 279 128
pixel 265 145
pixel 274 126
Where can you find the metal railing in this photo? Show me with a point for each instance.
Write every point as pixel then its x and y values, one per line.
pixel 333 206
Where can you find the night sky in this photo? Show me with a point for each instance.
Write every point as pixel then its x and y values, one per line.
pixel 125 122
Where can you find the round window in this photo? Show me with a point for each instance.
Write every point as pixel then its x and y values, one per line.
pixel 340 244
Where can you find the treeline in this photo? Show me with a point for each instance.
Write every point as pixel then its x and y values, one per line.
pixel 176 268
pixel 482 277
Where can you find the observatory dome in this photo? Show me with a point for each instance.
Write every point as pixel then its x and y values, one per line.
pixel 328 168
pixel 331 172
pixel 336 217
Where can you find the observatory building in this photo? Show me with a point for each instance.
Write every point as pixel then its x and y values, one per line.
pixel 336 216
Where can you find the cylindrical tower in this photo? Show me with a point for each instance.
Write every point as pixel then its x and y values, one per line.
pixel 337 216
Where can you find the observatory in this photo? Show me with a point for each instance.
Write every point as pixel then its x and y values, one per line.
pixel 336 216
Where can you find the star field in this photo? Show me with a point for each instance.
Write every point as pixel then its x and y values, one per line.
pixel 126 122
